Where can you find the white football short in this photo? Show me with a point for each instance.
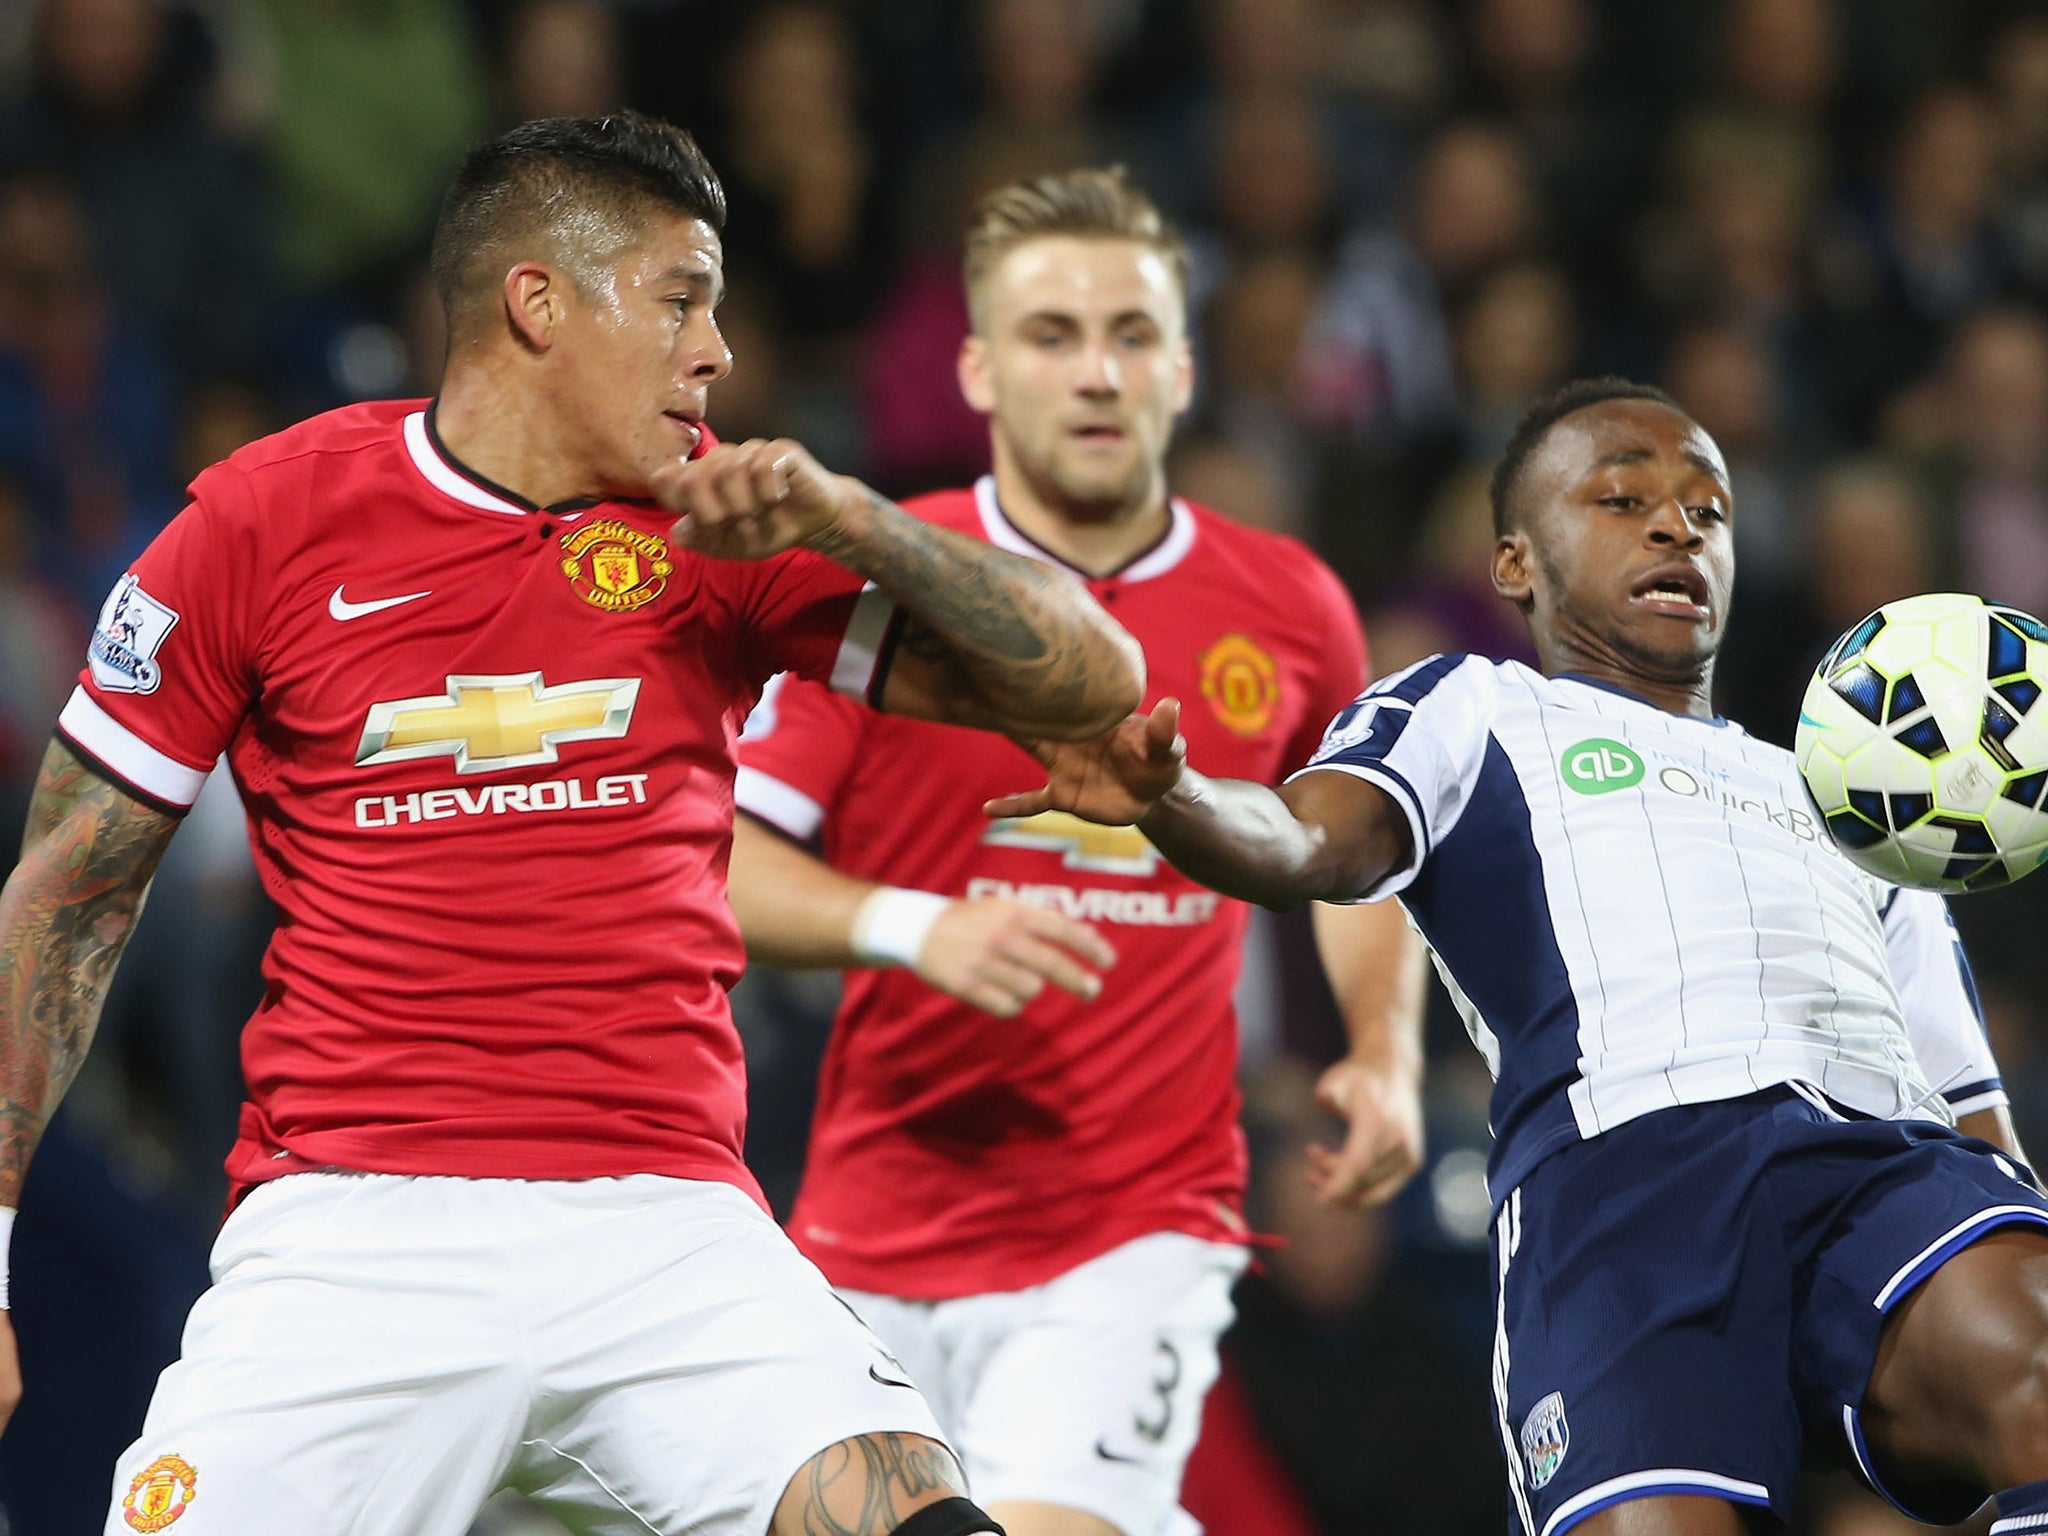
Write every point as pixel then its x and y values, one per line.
pixel 1085 1391
pixel 377 1355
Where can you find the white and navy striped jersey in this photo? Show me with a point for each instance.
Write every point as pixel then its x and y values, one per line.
pixel 1634 909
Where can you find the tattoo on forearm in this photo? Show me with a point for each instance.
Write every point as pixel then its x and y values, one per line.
pixel 1030 642
pixel 65 916
pixel 870 1485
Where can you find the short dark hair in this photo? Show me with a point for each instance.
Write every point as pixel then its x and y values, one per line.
pixel 1546 413
pixel 579 189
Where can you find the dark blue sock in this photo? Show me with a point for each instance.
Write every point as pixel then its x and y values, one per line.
pixel 2022 1511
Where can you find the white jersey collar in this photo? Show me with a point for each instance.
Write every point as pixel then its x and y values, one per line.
pixel 1157 560
pixel 453 479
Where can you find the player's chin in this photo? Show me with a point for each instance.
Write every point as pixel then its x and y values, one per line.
pixel 1109 485
pixel 1671 648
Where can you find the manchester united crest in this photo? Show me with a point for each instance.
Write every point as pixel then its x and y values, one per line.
pixel 1241 684
pixel 614 566
pixel 158 1494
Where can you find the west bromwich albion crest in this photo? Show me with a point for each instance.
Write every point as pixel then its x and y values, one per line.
pixel 1545 1438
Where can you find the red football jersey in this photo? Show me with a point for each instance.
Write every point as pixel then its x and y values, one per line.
pixel 487 751
pixel 954 1153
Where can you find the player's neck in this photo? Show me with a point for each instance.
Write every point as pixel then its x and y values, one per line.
pixel 1093 542
pixel 1692 696
pixel 506 437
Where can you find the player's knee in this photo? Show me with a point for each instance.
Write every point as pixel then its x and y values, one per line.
pixel 949 1517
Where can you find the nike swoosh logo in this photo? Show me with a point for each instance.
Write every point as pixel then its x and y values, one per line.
pixel 1102 1449
pixel 339 607
pixel 910 1386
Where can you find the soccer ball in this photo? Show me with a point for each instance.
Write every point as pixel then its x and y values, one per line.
pixel 1924 742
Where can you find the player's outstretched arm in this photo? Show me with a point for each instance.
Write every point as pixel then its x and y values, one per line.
pixel 65 916
pixel 995 640
pixel 989 952
pixel 1375 964
pixel 1322 837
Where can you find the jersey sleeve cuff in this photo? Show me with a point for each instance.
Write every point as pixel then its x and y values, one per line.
pixel 859 663
pixel 1974 1098
pixel 150 775
pixel 1403 794
pixel 788 810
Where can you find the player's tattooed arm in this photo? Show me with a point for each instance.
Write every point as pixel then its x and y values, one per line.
pixel 990 639
pixel 65 916
pixel 868 1486
pixel 1001 642
pixel 1321 837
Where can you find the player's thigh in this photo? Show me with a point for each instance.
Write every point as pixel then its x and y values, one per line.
pixel 1091 1399
pixel 1926 1310
pixel 1683 1515
pixel 912 1332
pixel 1642 1321
pixel 1020 1518
pixel 719 1365
pixel 331 1381
pixel 1957 1389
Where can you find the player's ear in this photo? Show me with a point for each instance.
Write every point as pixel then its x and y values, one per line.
pixel 976 387
pixel 534 303
pixel 1512 577
pixel 1183 375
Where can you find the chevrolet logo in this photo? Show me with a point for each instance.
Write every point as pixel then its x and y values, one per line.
pixel 1081 844
pixel 489 723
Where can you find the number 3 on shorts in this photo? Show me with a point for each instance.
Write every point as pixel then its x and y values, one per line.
pixel 1168 1378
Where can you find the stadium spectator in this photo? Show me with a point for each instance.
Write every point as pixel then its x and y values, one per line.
pixel 87 411
pixel 1924 251
pixel 121 106
pixel 1782 59
pixel 370 105
pixel 41 630
pixel 809 221
pixel 563 58
pixel 1515 339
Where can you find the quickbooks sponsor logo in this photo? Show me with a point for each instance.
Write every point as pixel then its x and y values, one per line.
pixel 1598 766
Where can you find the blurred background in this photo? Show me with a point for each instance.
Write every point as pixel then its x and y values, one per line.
pixel 1822 224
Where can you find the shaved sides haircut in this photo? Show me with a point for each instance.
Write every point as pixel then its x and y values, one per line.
pixel 1099 203
pixel 1535 425
pixel 575 192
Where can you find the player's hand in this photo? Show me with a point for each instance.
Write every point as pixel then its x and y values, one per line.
pixel 1382 1148
pixel 747 501
pixel 1114 779
pixel 997 955
pixel 10 1370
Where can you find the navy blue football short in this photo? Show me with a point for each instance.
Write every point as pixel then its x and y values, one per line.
pixel 1691 1302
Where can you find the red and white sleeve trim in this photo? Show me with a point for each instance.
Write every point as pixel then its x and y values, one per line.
pixel 126 755
pixel 854 670
pixel 786 809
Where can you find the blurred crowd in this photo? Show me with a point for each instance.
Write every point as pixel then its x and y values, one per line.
pixel 1822 224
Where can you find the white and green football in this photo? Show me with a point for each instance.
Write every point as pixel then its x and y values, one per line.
pixel 1923 740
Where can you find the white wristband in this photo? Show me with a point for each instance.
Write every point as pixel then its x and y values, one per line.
pixel 891 923
pixel 6 1236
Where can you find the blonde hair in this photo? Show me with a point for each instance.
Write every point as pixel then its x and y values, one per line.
pixel 1096 203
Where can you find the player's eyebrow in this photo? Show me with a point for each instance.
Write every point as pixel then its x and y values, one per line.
pixel 690 272
pixel 1626 457
pixel 1067 317
pixel 1696 459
